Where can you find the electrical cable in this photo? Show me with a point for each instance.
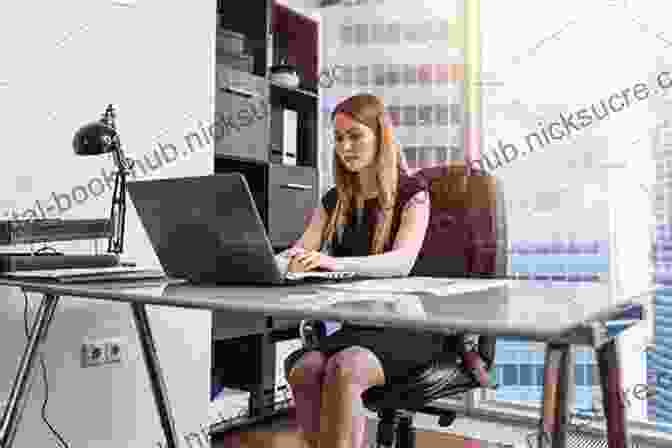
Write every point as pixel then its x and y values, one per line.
pixel 44 378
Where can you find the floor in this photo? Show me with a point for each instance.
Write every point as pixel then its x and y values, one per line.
pixel 282 433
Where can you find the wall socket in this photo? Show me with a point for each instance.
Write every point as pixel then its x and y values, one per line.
pixel 100 352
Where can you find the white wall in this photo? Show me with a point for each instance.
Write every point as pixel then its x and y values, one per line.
pixel 63 62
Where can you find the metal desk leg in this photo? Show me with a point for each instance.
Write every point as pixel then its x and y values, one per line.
pixel 24 376
pixel 558 396
pixel 155 374
pixel 611 383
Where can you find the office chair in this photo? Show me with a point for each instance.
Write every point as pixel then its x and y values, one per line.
pixel 466 237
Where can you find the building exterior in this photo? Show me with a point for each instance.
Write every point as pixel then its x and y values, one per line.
pixel 414 58
pixel 659 359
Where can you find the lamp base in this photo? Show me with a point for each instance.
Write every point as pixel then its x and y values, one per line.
pixel 10 262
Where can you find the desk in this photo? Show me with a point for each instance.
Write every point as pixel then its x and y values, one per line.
pixel 559 314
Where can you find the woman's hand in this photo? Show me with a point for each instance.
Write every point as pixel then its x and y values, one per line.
pixel 310 260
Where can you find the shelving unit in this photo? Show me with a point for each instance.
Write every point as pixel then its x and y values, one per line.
pixel 274 34
pixel 284 194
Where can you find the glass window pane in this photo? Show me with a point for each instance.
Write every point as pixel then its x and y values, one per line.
pixel 361 34
pixel 510 375
pixel 409 32
pixel 455 113
pixel 442 31
pixel 425 32
pixel 425 74
pixel 346 76
pixel 363 75
pixel 394 72
pixel 526 377
pixel 347 34
pixel 425 113
pixel 442 114
pixel 379 33
pixel 394 114
pixel 410 115
pixel 591 371
pixel 379 74
pixel 411 156
pixel 393 33
pixel 579 374
pixel 410 74
pixel 539 371
pixel 442 73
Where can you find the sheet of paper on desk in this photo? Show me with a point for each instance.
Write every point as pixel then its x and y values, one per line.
pixel 326 298
pixel 420 285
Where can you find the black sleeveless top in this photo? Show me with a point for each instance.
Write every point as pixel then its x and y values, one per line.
pixel 354 239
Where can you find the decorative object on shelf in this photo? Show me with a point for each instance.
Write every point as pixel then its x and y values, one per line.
pixel 101 137
pixel 286 75
pixel 230 41
pixel 241 62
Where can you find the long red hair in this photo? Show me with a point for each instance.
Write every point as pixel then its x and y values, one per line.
pixel 370 111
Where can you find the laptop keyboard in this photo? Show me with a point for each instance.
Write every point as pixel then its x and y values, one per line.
pixel 320 275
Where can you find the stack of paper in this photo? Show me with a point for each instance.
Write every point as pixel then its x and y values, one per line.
pixel 325 298
pixel 420 285
pixel 74 275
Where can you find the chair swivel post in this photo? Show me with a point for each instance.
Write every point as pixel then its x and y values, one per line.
pixel 387 428
pixel 406 432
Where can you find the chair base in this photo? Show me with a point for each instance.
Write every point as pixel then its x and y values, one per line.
pixel 396 430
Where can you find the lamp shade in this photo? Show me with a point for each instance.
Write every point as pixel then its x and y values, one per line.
pixel 94 139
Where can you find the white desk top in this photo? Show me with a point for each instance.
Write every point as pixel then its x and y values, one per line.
pixel 535 310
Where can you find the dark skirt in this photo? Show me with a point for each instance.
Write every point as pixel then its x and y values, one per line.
pixel 399 350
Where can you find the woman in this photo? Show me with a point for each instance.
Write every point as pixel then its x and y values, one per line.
pixel 372 222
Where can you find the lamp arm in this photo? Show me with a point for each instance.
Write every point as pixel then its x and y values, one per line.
pixel 118 213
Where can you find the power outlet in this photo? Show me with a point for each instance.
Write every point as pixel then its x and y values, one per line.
pixel 114 351
pixel 93 354
pixel 98 353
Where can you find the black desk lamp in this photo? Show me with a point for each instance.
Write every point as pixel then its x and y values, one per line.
pixel 101 137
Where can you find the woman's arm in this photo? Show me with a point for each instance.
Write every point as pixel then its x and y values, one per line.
pixel 310 240
pixel 400 260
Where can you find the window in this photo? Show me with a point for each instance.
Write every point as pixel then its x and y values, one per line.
pixel 510 375
pixel 579 374
pixel 526 377
pixel 566 214
pixel 557 186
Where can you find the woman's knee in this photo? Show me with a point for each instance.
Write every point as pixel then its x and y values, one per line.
pixel 357 365
pixel 305 367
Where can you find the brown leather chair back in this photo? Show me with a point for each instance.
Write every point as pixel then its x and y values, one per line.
pixel 467 234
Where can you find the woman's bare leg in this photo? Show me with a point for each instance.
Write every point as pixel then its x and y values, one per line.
pixel 343 418
pixel 305 381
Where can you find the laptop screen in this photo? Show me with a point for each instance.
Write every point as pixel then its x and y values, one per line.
pixel 206 229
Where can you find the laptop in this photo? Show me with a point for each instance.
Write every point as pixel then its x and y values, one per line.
pixel 207 229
